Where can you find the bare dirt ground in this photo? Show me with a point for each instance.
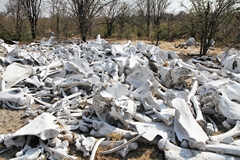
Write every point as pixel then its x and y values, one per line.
pixel 12 120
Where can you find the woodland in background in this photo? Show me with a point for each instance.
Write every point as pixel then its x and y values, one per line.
pixel 28 20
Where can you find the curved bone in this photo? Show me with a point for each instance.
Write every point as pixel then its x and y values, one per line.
pixel 231 133
pixel 176 153
pixel 95 148
pixel 122 145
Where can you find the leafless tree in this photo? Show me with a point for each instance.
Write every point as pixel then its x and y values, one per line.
pixel 32 9
pixel 85 11
pixel 16 14
pixel 208 17
pixel 144 11
pixel 158 8
pixel 153 11
pixel 58 10
pixel 112 12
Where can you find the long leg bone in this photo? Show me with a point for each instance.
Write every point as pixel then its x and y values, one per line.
pixel 224 149
pixel 235 131
pixel 176 153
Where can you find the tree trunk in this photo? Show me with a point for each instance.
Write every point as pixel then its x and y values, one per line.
pixel 33 31
pixel 148 18
pixel 109 29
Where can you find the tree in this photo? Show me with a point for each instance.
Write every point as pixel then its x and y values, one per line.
pixel 57 13
pixel 153 11
pixel 159 7
pixel 32 9
pixel 208 17
pixel 112 12
pixel 16 14
pixel 85 11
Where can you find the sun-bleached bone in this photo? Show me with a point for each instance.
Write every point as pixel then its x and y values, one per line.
pixel 138 92
pixel 149 102
pixel 215 128
pixel 31 154
pixel 94 150
pixel 123 110
pixel 174 152
pixel 35 81
pixel 79 146
pixel 228 100
pixel 112 68
pixel 118 49
pixel 101 129
pixel 199 115
pixel 234 132
pixel 201 67
pixel 18 141
pixel 169 55
pixel 122 145
pixel 12 50
pixel 166 115
pixel 236 142
pixel 184 123
pixel 140 117
pixel 179 78
pixel 231 63
pixel 15 73
pixel 16 95
pixel 28 152
pixel 139 76
pixel 224 149
pixel 42 126
pixel 80 66
pixel 153 129
pixel 59 152
pixel 228 53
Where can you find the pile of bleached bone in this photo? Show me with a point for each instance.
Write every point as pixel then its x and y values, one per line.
pixel 88 91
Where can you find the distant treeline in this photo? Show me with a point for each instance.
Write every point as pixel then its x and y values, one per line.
pixel 118 19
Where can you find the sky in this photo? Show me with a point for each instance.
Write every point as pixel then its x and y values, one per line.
pixel 173 8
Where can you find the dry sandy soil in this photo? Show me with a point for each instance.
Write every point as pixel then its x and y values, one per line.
pixel 12 120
